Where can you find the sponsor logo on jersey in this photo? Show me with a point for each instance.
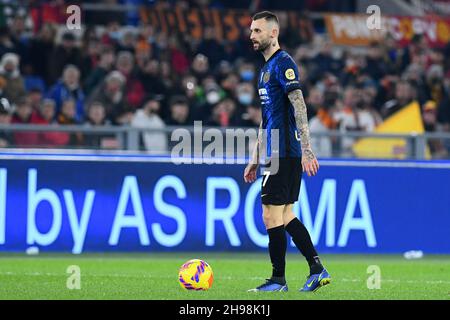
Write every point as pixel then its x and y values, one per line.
pixel 262 91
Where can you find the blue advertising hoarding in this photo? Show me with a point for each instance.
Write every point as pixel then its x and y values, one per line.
pixel 122 204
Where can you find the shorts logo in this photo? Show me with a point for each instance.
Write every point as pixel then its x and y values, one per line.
pixel 290 74
pixel 266 77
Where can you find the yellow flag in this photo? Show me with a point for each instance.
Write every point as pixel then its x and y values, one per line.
pixel 407 120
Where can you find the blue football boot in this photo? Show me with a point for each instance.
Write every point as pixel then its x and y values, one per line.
pixel 270 285
pixel 315 281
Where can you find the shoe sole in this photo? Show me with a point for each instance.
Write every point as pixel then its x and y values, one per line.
pixel 255 290
pixel 322 283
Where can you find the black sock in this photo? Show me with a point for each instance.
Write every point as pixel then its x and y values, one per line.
pixel 277 252
pixel 302 240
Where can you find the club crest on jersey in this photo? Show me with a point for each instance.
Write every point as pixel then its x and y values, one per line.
pixel 290 74
pixel 266 77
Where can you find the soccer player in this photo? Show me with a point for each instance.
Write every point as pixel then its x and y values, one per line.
pixel 283 111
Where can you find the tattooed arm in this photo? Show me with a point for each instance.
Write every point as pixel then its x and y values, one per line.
pixel 250 170
pixel 309 161
pixel 256 150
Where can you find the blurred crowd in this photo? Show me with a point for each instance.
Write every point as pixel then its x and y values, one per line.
pixel 123 76
pixel 359 91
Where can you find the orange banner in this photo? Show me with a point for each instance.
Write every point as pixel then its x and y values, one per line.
pixel 228 24
pixel 353 29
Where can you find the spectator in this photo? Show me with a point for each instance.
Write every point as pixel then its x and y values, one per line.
pixel 247 72
pixel 354 67
pixel 392 53
pixel 23 116
pixel 430 121
pixel 211 48
pixel 223 69
pixel 353 117
pixel 68 88
pixel 321 122
pixel 386 90
pixel 45 115
pixel 161 43
pixel 148 118
pixel 200 67
pixel 134 90
pixel 404 95
pixel 315 101
pixel 42 46
pixel 96 117
pixel 179 112
pixel 229 83
pixel 178 55
pixel 417 48
pixel 252 117
pixel 32 81
pixel 167 76
pixel 44 112
pixel 193 93
pixel 223 114
pixel 97 75
pixel 142 53
pixel 6 43
pixel 368 94
pixel 35 95
pixel 245 93
pixel 68 116
pixel 111 94
pixel 331 90
pixel 6 111
pixel 91 47
pixel 150 77
pixel 211 93
pixel 324 61
pixel 127 41
pixel 9 70
pixel 64 54
pixel 376 65
pixel 435 90
pixel 19 36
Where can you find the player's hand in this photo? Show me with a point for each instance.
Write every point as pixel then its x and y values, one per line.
pixel 310 165
pixel 250 172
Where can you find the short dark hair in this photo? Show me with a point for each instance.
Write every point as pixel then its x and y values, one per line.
pixel 96 104
pixel 267 15
pixel 178 99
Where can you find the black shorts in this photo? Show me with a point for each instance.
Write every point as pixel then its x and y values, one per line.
pixel 283 187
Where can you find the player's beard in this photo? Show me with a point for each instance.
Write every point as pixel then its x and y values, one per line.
pixel 263 45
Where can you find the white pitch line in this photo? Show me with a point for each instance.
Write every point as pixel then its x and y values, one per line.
pixel 398 281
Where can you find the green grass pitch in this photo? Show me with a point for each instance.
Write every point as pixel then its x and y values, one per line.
pixel 153 276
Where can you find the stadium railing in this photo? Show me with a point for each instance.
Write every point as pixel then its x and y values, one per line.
pixel 340 144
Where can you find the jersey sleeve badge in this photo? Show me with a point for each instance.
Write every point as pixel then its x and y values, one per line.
pixel 289 74
pixel 266 77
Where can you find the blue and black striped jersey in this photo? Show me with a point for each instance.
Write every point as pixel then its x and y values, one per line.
pixel 278 77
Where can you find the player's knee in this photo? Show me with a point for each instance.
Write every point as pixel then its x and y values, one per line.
pixel 288 216
pixel 271 220
pixel 266 219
